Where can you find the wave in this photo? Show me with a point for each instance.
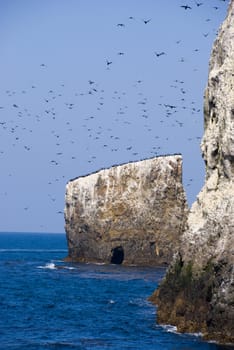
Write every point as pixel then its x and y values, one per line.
pixel 96 263
pixel 52 266
pixel 67 267
pixel 169 328
pixel 198 334
pixel 173 329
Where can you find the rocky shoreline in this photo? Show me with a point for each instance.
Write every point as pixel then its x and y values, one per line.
pixel 197 294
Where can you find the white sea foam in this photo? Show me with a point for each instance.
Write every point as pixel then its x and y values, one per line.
pixel 67 267
pixel 96 263
pixel 50 266
pixel 173 329
pixel 199 334
pixel 169 328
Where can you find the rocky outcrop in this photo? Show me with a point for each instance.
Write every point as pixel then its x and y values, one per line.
pixel 197 294
pixel 132 213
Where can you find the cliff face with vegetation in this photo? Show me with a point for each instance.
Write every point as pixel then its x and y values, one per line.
pixel 197 294
pixel 132 213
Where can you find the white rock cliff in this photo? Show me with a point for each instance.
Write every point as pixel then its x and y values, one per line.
pixel 206 256
pixel 132 213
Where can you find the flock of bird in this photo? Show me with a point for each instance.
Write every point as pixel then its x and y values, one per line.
pixel 95 125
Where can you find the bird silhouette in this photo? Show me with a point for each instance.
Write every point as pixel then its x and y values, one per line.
pixel 158 54
pixel 146 20
pixel 186 7
pixel 198 3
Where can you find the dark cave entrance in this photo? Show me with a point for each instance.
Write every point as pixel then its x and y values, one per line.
pixel 117 255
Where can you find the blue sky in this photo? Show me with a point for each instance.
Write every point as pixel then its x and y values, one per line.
pixel 89 84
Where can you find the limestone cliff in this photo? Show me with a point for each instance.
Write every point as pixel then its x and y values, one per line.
pixel 132 213
pixel 197 293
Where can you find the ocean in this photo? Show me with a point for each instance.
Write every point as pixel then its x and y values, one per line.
pixel 46 303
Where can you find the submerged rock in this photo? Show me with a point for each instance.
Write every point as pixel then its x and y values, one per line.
pixel 197 294
pixel 132 213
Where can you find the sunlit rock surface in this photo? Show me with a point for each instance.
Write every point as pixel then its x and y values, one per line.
pixel 132 213
pixel 197 294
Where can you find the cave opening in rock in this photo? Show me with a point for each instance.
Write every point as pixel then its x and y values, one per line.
pixel 117 255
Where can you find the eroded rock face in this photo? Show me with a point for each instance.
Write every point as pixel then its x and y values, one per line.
pixel 197 294
pixel 132 213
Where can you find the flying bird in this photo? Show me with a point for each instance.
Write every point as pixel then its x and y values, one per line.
pixel 169 106
pixel 146 20
pixel 198 3
pixel 158 54
pixel 186 7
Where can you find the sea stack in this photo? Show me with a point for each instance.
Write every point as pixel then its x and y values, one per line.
pixel 132 213
pixel 197 294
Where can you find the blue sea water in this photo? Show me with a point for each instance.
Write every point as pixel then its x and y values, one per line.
pixel 46 303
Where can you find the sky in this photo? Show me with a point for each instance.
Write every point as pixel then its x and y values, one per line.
pixel 88 84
